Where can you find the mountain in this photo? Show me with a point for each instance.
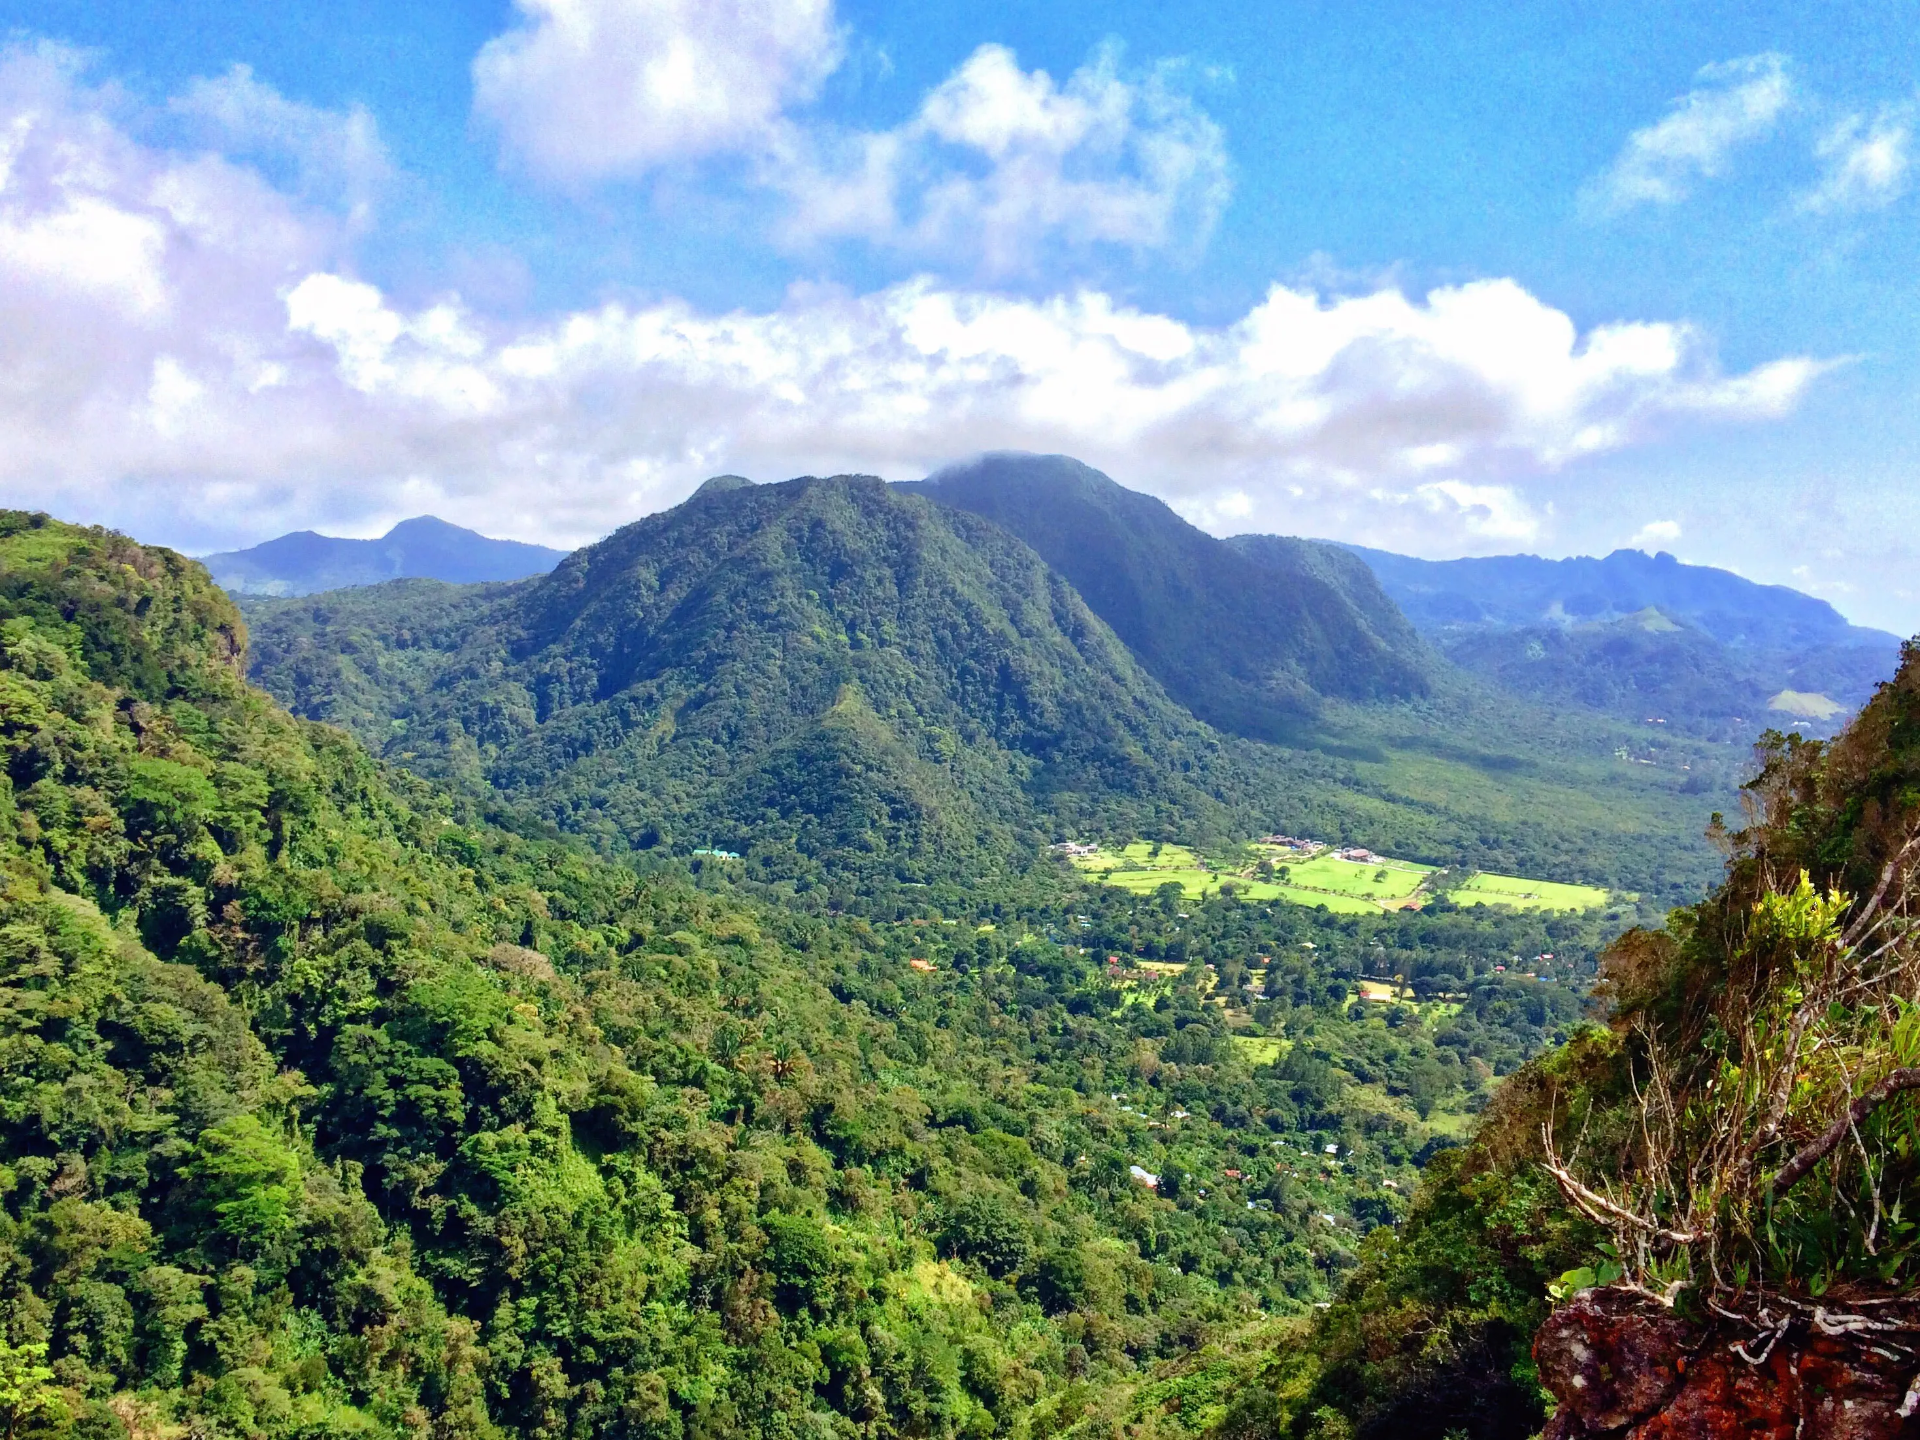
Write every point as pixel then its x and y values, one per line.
pixel 1645 638
pixel 1249 637
pixel 1512 591
pixel 853 686
pixel 424 547
pixel 830 669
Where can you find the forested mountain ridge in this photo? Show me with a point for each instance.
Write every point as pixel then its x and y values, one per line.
pixel 424 547
pixel 1645 638
pixel 847 683
pixel 327 1108
pixel 828 669
pixel 1246 637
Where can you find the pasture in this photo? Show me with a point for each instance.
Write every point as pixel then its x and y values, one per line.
pixel 1524 894
pixel 1344 887
pixel 1382 880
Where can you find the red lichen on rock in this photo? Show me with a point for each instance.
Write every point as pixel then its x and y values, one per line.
pixel 1626 1369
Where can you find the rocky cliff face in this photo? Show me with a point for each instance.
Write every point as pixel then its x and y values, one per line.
pixel 1628 1370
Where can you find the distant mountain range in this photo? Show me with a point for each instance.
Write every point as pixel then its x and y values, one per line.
pixel 423 548
pixel 1253 634
pixel 1644 637
pixel 1515 591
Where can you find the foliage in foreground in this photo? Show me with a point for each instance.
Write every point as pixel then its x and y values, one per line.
pixel 1742 1133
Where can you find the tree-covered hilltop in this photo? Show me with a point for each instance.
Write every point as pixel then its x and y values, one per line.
pixel 1734 1148
pixel 327 1107
pixel 836 673
pixel 852 686
pixel 1247 638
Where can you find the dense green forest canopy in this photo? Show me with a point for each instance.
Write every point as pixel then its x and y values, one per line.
pixel 856 688
pixel 329 1106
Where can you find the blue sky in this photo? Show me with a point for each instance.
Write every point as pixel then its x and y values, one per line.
pixel 1445 279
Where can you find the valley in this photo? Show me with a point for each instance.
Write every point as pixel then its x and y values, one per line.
pixel 687 939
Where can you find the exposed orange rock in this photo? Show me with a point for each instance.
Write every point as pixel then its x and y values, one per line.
pixel 1625 1369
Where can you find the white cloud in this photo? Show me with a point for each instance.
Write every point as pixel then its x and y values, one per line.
pixel 1734 103
pixel 1497 513
pixel 999 161
pixel 1863 165
pixel 1654 534
pixel 207 367
pixel 337 155
pixel 587 90
pixel 137 287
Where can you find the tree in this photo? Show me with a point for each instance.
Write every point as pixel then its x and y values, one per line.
pixel 26 1384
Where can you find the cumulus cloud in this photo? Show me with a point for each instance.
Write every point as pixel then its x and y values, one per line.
pixel 336 155
pixel 1735 103
pixel 1654 534
pixel 141 329
pixel 185 350
pixel 999 160
pixel 588 90
pixel 1863 163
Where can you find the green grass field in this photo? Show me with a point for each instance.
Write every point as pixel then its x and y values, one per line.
pixel 1345 887
pixel 1528 894
pixel 1395 880
pixel 1137 855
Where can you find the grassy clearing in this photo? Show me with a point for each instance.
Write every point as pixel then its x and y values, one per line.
pixel 1391 880
pixel 1527 894
pixel 1259 1049
pixel 1139 856
pixel 1144 882
pixel 1338 904
pixel 1344 887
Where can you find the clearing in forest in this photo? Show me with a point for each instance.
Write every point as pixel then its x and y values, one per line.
pixel 1484 889
pixel 1311 874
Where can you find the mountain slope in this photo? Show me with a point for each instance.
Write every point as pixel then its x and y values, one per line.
pixel 1246 637
pixel 829 669
pixel 424 547
pixel 849 684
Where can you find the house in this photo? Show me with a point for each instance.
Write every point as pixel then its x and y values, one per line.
pixel 1144 1177
pixel 1071 849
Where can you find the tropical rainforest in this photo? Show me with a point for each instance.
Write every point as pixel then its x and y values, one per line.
pixel 637 1001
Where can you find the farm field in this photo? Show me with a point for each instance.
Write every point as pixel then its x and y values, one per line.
pixel 1390 880
pixel 1345 887
pixel 1528 894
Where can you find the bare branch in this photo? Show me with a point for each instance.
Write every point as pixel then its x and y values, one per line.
pixel 1600 1209
pixel 1790 1174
